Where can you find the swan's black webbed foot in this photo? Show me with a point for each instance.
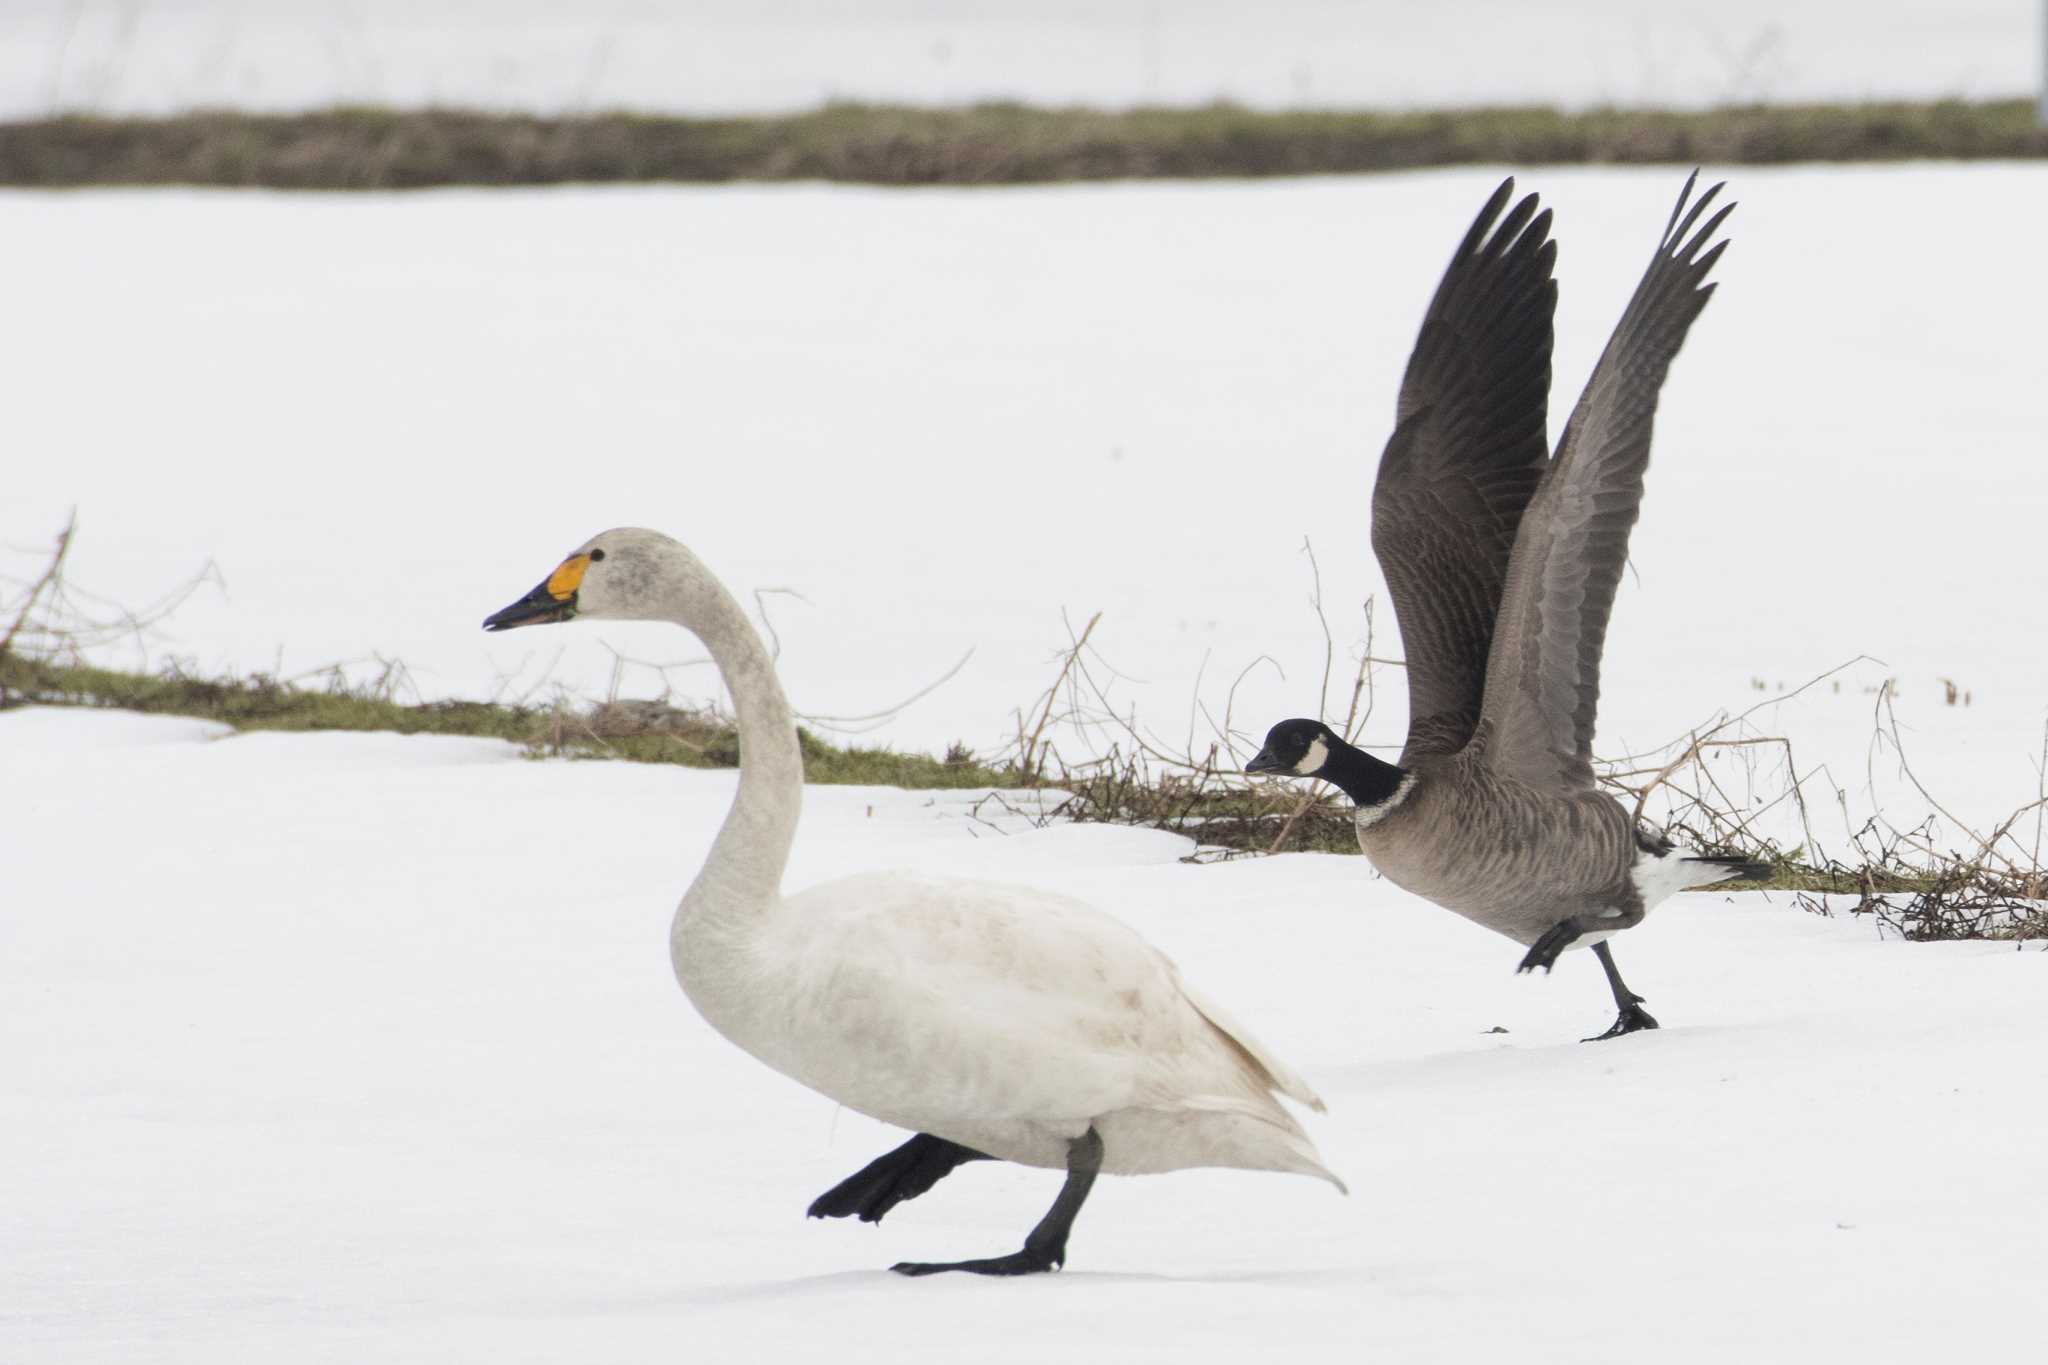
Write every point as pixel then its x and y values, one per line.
pixel 1543 952
pixel 1025 1262
pixel 893 1177
pixel 1632 1019
pixel 1046 1247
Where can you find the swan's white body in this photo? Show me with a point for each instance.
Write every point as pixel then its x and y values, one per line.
pixel 1002 1018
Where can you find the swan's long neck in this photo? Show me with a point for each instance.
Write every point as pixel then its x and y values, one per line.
pixel 742 878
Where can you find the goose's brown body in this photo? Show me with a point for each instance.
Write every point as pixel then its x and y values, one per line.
pixel 1504 854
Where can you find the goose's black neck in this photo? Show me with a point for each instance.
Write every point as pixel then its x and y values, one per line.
pixel 1368 781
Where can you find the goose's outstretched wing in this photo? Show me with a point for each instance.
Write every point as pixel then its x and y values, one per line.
pixel 1543 677
pixel 1468 450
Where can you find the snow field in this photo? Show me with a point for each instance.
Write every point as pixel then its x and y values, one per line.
pixel 333 1045
pixel 949 418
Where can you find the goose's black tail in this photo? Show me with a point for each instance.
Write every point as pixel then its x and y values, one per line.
pixel 1732 870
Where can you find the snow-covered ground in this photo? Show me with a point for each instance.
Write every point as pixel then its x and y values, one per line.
pixel 350 1047
pixel 947 417
pixel 719 55
pixel 335 1047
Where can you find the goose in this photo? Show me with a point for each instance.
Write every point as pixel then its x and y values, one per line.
pixel 1503 563
pixel 994 1021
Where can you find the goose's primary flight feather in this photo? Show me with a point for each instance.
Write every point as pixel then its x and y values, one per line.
pixel 1543 677
pixel 1468 450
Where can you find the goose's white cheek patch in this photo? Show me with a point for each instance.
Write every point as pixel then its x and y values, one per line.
pixel 1312 761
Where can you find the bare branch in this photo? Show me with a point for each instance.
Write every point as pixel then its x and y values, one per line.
pixel 849 724
pixel 1032 760
pixel 49 576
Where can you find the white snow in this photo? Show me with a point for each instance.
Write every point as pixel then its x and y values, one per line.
pixel 719 55
pixel 345 1047
pixel 946 418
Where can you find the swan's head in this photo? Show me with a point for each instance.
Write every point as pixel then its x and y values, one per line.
pixel 1299 747
pixel 619 575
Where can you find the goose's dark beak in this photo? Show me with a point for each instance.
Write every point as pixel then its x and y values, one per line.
pixel 1264 762
pixel 538 608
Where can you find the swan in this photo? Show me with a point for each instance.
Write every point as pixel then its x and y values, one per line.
pixel 994 1021
pixel 1502 563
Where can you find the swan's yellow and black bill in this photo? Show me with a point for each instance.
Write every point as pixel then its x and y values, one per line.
pixel 554 600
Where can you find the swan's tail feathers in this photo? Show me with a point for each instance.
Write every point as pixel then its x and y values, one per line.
pixel 1254 1131
pixel 1258 1135
pixel 1268 1070
pixel 888 1180
pixel 1710 871
pixel 1310 1162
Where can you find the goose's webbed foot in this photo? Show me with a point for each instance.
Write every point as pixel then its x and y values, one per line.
pixel 1543 952
pixel 1632 1019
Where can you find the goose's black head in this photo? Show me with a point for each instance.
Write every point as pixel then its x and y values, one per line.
pixel 1299 748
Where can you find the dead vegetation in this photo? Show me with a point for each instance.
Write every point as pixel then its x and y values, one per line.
pixel 1727 787
pixel 987 144
pixel 54 630
pixel 1115 770
pixel 1987 886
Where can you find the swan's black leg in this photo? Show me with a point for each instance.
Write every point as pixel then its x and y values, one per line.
pixel 1046 1247
pixel 890 1179
pixel 1633 1016
pixel 1543 952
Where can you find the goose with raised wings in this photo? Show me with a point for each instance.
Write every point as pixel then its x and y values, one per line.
pixel 1503 563
pixel 994 1021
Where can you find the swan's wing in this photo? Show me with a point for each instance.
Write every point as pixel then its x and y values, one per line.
pixel 961 998
pixel 1468 449
pixel 1543 677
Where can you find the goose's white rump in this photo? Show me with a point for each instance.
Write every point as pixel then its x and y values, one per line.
pixel 1008 1020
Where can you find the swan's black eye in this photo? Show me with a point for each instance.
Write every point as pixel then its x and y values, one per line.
pixel 596 555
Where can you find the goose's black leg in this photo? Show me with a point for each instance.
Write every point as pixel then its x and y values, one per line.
pixel 890 1179
pixel 1046 1247
pixel 1633 1016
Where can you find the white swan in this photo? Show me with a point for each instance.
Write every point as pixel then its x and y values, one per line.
pixel 996 1021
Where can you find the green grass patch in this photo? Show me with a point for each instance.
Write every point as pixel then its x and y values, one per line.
pixel 638 733
pixel 1219 810
pixel 989 144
